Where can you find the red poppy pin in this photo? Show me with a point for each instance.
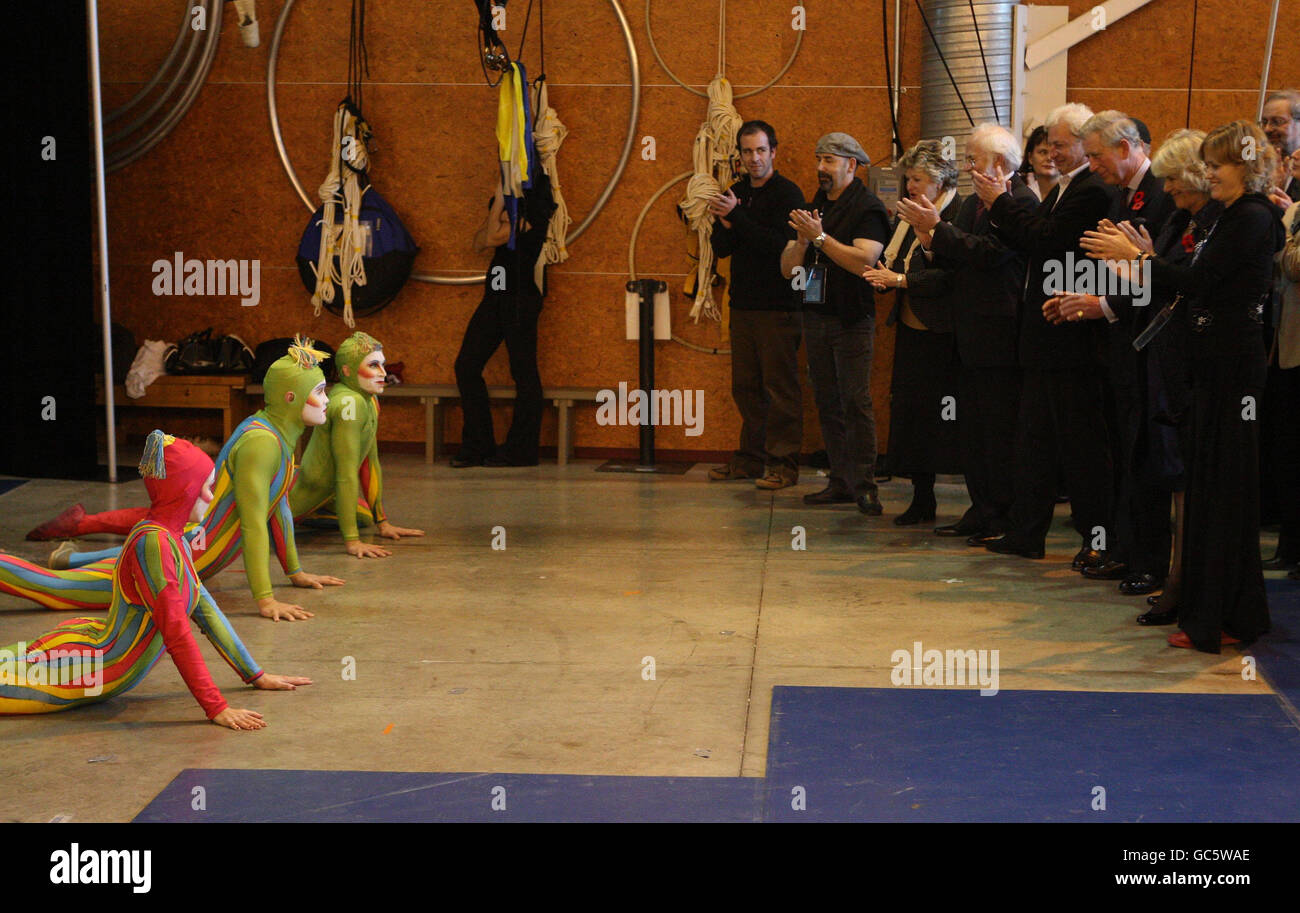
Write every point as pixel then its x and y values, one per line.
pixel 1139 200
pixel 1189 242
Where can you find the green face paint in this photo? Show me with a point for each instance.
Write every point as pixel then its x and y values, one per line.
pixel 351 354
pixel 297 373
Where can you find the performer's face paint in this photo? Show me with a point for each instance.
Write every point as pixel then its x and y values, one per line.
pixel 313 409
pixel 371 373
pixel 204 499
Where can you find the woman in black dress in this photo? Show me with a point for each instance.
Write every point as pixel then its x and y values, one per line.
pixel 1225 285
pixel 923 394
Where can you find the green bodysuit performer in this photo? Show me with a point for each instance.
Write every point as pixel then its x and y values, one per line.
pixel 341 463
pixel 250 508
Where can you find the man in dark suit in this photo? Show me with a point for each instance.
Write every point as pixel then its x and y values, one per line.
pixel 1059 427
pixel 1139 554
pixel 986 282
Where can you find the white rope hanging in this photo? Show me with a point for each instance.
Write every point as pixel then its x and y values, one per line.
pixel 346 240
pixel 712 156
pixel 548 136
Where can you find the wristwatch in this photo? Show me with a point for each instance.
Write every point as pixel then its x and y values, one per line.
pixel 818 241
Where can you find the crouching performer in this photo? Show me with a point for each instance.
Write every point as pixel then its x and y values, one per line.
pixel 155 589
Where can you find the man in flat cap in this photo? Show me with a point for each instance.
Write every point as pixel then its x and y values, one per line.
pixel 842 234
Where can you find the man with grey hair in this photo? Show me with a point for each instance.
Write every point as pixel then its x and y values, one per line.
pixel 986 281
pixel 844 231
pixel 1281 124
pixel 1060 426
pixel 1139 556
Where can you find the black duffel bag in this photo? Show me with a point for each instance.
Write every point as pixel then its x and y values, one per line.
pixel 200 353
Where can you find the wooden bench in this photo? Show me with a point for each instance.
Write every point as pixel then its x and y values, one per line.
pixel 222 392
pixel 435 396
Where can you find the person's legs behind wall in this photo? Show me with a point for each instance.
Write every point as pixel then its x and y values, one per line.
pixel 483 335
pixel 520 447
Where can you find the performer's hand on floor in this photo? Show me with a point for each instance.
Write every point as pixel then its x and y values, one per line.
pixel 239 719
pixel 314 581
pixel 274 609
pixel 268 681
pixel 389 531
pixel 358 549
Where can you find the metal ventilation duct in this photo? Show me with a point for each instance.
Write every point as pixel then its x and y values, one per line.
pixel 955 31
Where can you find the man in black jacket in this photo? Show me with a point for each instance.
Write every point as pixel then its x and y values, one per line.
pixel 844 233
pixel 985 287
pixel 1060 426
pixel 751 229
pixel 1140 553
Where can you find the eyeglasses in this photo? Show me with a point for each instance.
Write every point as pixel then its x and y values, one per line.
pixel 1274 121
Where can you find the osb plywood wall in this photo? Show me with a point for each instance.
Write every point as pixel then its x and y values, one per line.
pixel 215 187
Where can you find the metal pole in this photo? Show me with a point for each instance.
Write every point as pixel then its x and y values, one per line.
pixel 646 290
pixel 1268 59
pixel 898 41
pixel 97 135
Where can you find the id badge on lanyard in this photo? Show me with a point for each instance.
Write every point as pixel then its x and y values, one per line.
pixel 814 292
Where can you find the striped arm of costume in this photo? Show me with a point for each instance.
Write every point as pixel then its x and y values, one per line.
pixel 258 464
pixel 282 538
pixel 214 624
pixel 164 577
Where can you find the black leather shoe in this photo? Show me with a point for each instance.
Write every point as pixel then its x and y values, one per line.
pixel 979 540
pixel 1154 600
pixel 458 462
pixel 1107 570
pixel 916 514
pixel 1087 557
pixel 1140 584
pixel 828 495
pixel 1157 617
pixel 956 529
pixel 1278 563
pixel 1004 546
pixel 870 505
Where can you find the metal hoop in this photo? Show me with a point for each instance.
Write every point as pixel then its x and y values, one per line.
pixel 573 235
pixel 673 76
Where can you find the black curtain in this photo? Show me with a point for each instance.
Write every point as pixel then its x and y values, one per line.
pixel 48 325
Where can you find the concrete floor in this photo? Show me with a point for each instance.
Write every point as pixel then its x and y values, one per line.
pixel 531 659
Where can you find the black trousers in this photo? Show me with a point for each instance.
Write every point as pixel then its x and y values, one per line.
pixel 988 401
pixel 1143 527
pixel 765 386
pixel 512 320
pixel 1060 424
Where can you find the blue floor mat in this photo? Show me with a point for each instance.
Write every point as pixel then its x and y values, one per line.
pixel 343 796
pixel 10 484
pixel 898 754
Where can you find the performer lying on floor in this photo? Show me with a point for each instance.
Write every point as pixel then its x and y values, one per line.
pixel 340 466
pixel 249 511
pixel 155 589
